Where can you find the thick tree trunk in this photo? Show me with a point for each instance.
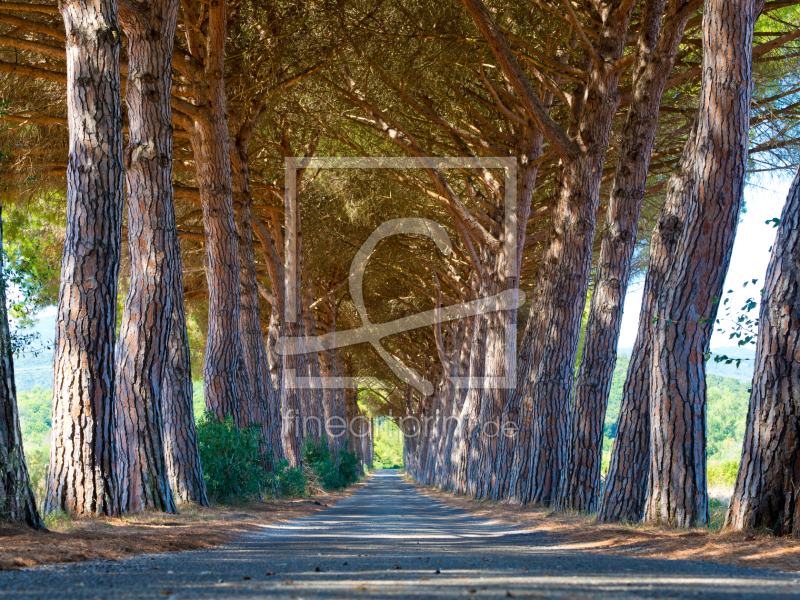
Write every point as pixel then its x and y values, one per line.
pixel 580 481
pixel 716 155
pixel 626 483
pixel 143 345
pixel 468 420
pixel 557 308
pixel 490 445
pixel 17 503
pixel 82 454
pixel 263 398
pixel 767 492
pixel 180 434
pixel 225 379
pixel 460 368
pixel 276 276
pixel 313 409
pixel 334 399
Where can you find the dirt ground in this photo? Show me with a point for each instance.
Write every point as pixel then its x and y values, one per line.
pixel 81 539
pixel 579 532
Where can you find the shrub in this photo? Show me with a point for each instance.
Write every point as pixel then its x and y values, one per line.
pixel 286 481
pixel 348 467
pixel 723 473
pixel 37 459
pixel 231 458
pixel 326 470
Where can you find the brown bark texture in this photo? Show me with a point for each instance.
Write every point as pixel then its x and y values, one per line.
pixel 688 302
pixel 547 372
pixel 766 492
pixel 225 379
pixel 625 486
pixel 580 481
pixel 81 477
pixel 177 411
pixel 254 353
pixel 143 344
pixel 17 503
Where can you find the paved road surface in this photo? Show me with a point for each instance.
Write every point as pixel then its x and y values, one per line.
pixel 387 541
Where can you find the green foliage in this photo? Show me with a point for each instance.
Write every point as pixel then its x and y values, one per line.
pixel 231 459
pixel 198 400
pixel 35 414
pixel 58 521
pixel 31 256
pixel 332 472
pixel 286 481
pixel 723 473
pixel 726 417
pixel 388 445
pixel 37 459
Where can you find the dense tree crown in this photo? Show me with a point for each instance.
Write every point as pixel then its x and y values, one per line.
pixel 627 129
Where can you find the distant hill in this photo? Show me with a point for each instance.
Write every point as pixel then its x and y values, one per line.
pixel 743 372
pixel 35 369
pixel 726 413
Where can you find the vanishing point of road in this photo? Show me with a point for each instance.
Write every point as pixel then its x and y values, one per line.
pixel 388 541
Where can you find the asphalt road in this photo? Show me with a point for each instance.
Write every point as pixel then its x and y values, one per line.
pixel 388 541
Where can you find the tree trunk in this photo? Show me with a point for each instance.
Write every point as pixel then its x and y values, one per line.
pixel 17 503
pixel 143 345
pixel 225 380
pixel 81 478
pixel 180 433
pixel 275 269
pixel 460 368
pixel 580 481
pixel 313 409
pixel 262 395
pixel 716 157
pixel 626 483
pixel 767 486
pixel 543 392
pixel 470 411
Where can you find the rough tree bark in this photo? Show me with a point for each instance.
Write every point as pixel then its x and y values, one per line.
pixel 488 438
pixel 688 302
pixel 277 276
pixel 766 492
pixel 180 434
pixel 563 279
pixel 143 345
pixel 626 483
pixel 225 379
pixel 580 481
pixel 17 503
pixel 313 407
pixel 81 477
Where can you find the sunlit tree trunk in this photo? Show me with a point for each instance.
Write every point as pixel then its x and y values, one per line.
pixel 81 477
pixel 580 481
pixel 277 276
pixel 716 155
pixel 144 338
pixel 767 492
pixel 626 482
pixel 17 503
pixel 225 379
pixel 558 304
pixel 180 433
pixel 459 368
pixel 263 396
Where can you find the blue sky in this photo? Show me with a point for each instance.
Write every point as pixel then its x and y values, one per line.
pixel 764 198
